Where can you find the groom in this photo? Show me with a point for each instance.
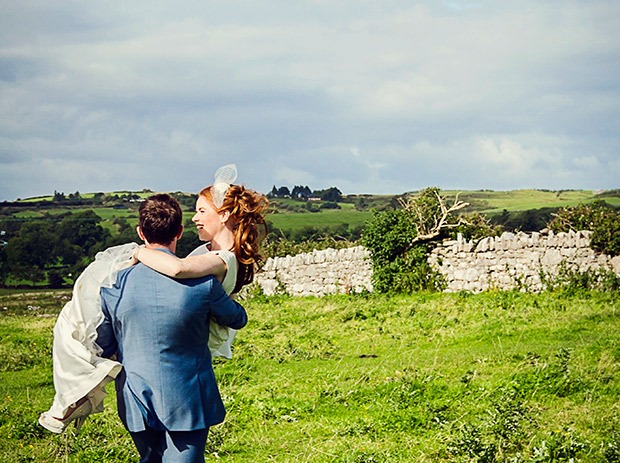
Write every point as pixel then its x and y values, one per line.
pixel 159 328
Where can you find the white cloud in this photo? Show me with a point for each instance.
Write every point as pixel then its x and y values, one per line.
pixel 292 177
pixel 507 154
pixel 587 162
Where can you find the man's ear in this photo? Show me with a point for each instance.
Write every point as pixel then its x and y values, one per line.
pixel 180 234
pixel 140 234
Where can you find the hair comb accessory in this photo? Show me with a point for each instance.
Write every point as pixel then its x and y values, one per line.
pixel 224 176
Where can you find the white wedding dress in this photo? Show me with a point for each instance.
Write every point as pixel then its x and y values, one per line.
pixel 78 368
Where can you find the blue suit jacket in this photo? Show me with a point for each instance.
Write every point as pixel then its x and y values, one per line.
pixel 159 328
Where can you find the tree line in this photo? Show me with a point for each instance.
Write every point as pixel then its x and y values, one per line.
pixel 56 248
pixel 332 194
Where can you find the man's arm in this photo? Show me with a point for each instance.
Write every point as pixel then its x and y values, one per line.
pixel 224 310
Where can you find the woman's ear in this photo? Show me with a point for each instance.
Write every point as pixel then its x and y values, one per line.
pixel 224 216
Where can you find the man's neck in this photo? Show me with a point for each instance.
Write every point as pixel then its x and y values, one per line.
pixel 172 247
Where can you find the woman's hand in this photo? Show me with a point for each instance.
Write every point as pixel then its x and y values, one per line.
pixel 134 256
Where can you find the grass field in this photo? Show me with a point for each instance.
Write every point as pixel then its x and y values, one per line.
pixel 523 200
pixel 326 218
pixel 492 377
pixel 485 201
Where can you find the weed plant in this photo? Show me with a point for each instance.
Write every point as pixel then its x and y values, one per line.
pixel 428 377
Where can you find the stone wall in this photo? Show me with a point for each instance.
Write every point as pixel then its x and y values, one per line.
pixel 505 262
pixel 318 273
pixel 515 260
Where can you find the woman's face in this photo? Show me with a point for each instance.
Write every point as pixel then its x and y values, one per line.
pixel 207 220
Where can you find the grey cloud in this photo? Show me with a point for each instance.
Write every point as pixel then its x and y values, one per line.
pixel 452 94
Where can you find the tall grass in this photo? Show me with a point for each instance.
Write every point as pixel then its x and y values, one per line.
pixel 493 377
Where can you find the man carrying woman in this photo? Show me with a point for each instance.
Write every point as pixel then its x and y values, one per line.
pixel 231 218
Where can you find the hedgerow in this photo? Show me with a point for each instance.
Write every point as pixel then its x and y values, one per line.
pixel 599 217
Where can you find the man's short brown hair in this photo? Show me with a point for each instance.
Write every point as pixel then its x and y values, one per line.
pixel 160 219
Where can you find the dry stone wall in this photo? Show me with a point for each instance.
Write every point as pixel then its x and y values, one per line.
pixel 504 262
pixel 516 260
pixel 318 273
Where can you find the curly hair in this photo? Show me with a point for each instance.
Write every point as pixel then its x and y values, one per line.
pixel 247 209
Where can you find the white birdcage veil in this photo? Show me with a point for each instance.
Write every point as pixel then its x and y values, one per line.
pixel 224 177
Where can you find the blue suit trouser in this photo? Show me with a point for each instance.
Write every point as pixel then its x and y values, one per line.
pixel 171 446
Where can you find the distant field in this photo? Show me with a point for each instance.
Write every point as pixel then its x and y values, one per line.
pixel 290 215
pixel 103 212
pixel 486 202
pixel 142 194
pixel 523 200
pixel 106 213
pixel 328 218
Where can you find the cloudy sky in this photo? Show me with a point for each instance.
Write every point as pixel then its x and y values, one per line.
pixel 370 96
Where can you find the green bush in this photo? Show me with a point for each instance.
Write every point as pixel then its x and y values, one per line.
pixel 55 279
pixel 410 272
pixel 400 240
pixel 398 265
pixel 330 205
pixel 599 217
pixel 573 280
pixel 475 226
pixel 388 235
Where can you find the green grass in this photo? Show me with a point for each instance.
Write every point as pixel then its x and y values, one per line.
pixel 326 218
pixel 493 377
pixel 106 213
pixel 523 200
